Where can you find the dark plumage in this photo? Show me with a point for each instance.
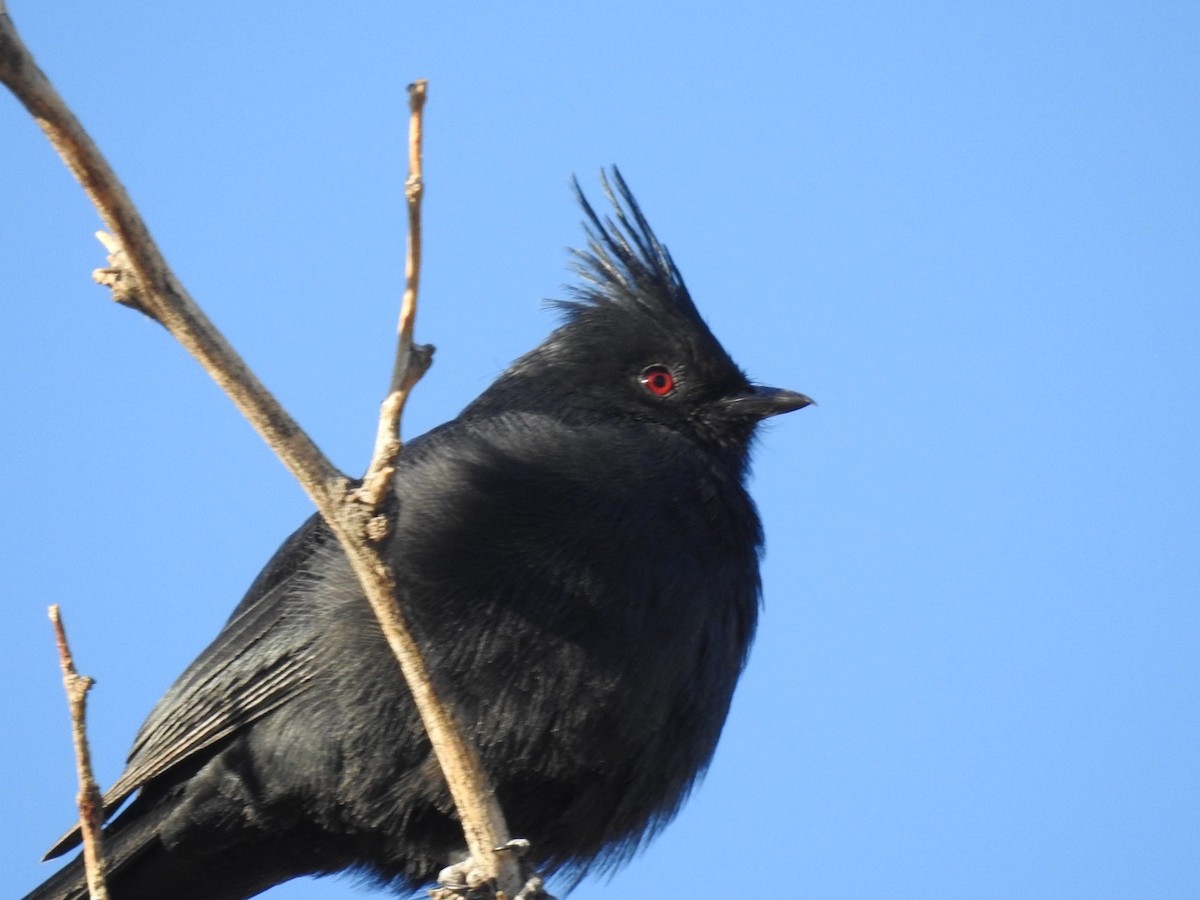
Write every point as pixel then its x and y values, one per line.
pixel 580 557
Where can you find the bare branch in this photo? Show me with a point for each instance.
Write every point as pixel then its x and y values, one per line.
pixel 141 278
pixel 88 800
pixel 411 361
pixel 482 819
pixel 149 278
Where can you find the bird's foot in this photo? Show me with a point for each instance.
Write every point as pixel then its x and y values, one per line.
pixel 465 881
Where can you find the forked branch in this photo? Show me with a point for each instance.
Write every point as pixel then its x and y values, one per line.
pixel 141 278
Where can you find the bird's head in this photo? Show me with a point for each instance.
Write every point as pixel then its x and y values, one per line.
pixel 633 345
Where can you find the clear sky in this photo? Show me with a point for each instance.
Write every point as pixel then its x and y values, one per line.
pixel 970 230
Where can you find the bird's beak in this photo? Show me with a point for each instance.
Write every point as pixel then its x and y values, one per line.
pixel 763 402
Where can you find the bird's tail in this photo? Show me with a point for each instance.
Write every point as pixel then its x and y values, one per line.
pixel 68 883
pixel 123 849
pixel 140 867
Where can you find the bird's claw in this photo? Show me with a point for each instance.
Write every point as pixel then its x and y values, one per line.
pixel 464 880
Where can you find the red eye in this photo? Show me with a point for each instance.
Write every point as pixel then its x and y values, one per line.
pixel 658 380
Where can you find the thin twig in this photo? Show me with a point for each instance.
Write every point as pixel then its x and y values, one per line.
pixel 482 819
pixel 90 806
pixel 411 362
pixel 140 277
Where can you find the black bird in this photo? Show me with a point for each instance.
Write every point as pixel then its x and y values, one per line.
pixel 580 557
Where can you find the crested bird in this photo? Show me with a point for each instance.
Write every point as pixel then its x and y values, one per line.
pixel 578 555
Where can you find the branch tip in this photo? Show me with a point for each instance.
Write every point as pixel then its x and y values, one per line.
pixel 88 799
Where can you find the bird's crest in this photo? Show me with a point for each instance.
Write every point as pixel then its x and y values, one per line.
pixel 629 309
pixel 624 262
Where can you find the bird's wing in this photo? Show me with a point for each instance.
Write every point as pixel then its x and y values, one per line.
pixel 259 660
pixel 262 658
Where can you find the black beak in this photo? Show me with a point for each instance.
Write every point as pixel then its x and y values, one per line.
pixel 763 402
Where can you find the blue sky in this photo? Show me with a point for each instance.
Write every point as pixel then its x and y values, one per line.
pixel 970 230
